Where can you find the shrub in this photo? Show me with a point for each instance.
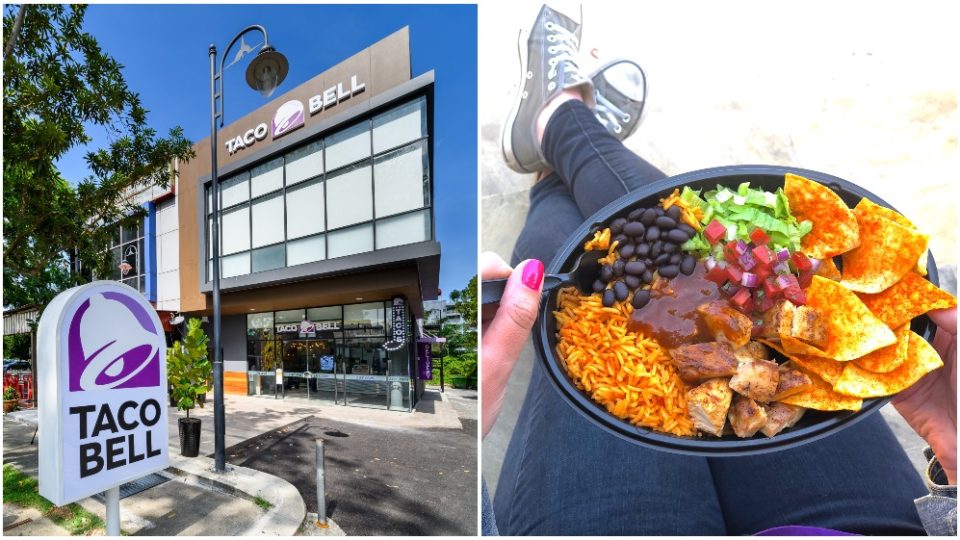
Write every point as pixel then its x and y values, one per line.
pixel 189 372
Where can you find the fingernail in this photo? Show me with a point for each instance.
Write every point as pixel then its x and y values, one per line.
pixel 533 274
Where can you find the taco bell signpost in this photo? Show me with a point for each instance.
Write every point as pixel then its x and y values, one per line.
pixel 102 378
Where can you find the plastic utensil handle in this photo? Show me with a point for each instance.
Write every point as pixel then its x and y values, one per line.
pixel 492 290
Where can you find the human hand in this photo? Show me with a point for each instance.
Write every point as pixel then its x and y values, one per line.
pixel 506 332
pixel 930 405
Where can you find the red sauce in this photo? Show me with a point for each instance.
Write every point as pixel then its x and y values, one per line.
pixel 670 317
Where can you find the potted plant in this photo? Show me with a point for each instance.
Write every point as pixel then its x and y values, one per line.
pixel 190 375
pixel 10 399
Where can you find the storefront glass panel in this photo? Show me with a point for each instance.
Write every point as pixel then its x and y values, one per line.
pixel 305 210
pixel 348 146
pixel 349 196
pixel 404 229
pixel 267 227
pixel 235 231
pixel 234 190
pixel 400 180
pixel 349 241
pixel 304 163
pixel 266 178
pixel 268 258
pixel 306 250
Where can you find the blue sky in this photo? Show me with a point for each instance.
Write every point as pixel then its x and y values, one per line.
pixel 164 51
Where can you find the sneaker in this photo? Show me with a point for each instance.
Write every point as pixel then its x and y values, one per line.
pixel 621 91
pixel 548 66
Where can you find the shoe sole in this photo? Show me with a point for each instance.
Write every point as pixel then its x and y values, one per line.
pixel 506 135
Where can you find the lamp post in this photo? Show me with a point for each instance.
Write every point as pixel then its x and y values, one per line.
pixel 264 74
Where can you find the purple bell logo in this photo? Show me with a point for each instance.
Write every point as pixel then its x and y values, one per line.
pixel 288 118
pixel 113 343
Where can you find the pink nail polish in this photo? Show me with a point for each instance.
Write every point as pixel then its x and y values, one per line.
pixel 533 274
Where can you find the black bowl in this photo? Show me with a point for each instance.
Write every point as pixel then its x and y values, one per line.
pixel 814 424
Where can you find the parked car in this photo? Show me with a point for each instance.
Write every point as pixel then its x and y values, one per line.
pixel 16 367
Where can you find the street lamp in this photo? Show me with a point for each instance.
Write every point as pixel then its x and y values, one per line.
pixel 264 74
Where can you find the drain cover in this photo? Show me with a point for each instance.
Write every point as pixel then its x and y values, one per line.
pixel 136 486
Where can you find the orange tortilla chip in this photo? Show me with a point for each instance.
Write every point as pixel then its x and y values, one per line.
pixel 888 358
pixel 828 370
pixel 821 397
pixel 853 331
pixel 910 297
pixel 829 270
pixel 835 228
pixel 893 215
pixel 887 251
pixel 921 359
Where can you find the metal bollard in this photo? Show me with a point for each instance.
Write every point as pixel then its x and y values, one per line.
pixel 321 487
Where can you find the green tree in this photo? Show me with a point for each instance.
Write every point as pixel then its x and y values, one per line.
pixel 189 371
pixel 16 346
pixel 58 84
pixel 465 302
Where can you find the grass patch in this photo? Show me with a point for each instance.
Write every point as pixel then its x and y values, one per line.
pixel 263 503
pixel 22 490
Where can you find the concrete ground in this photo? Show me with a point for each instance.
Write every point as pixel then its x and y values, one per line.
pixel 861 91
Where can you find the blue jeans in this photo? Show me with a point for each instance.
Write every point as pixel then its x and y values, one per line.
pixel 563 476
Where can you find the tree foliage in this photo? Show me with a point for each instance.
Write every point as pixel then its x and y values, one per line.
pixel 465 302
pixel 189 371
pixel 57 85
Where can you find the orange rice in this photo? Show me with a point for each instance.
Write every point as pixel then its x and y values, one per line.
pixel 624 371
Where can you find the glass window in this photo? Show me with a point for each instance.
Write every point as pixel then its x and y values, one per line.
pixel 235 265
pixel 348 146
pixel 329 313
pixel 305 162
pixel 349 241
pixel 364 316
pixel 267 221
pixel 266 178
pixel 130 232
pixel 306 250
pixel 349 197
pixel 234 190
pixel 235 230
pixel 405 229
pixel 305 210
pixel 400 125
pixel 268 258
pixel 401 180
pixel 209 191
pixel 289 316
pixel 260 325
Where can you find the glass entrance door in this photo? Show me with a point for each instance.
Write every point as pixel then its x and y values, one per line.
pixel 365 372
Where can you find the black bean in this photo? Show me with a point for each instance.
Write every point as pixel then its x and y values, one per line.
pixel 662 259
pixel 687 229
pixel 649 215
pixel 674 212
pixel 618 266
pixel 598 286
pixel 647 276
pixel 632 281
pixel 609 298
pixel 616 227
pixel 677 236
pixel 668 271
pixel 656 248
pixel 663 234
pixel 643 249
pixel 688 264
pixel 641 298
pixel 627 251
pixel 648 261
pixel 633 228
pixel 621 291
pixel 621 239
pixel 660 211
pixel 666 222
pixel 653 233
pixel 676 258
pixel 606 273
pixel 670 248
pixel 635 268
pixel 635 215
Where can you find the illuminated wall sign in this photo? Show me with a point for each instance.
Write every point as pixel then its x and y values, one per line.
pixel 103 391
pixel 310 327
pixel 289 116
pixel 398 324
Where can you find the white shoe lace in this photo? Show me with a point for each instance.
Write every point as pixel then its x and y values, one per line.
pixel 564 49
pixel 610 115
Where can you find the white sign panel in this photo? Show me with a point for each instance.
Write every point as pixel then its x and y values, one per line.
pixel 102 380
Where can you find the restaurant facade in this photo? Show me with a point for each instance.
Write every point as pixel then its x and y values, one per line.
pixel 328 240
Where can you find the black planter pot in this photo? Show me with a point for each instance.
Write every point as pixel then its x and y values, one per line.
pixel 189 437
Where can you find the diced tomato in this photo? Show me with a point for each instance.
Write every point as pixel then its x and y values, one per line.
pixel 763 255
pixel 805 279
pixel 770 289
pixel 714 232
pixel 759 238
pixel 741 299
pixel 762 271
pixel 795 295
pixel 730 251
pixel 785 281
pixel 801 261
pixel 734 273
pixel 763 303
pixel 717 274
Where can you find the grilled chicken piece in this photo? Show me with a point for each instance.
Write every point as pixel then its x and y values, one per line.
pixel 746 417
pixel 725 323
pixel 781 416
pixel 708 405
pixel 756 380
pixel 702 361
pixel 778 320
pixel 809 325
pixel 792 381
pixel 753 350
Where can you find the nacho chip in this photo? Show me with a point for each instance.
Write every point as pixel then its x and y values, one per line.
pixel 910 297
pixel 921 359
pixel 821 397
pixel 829 270
pixel 835 229
pixel 893 215
pixel 828 370
pixel 852 330
pixel 887 251
pixel 888 358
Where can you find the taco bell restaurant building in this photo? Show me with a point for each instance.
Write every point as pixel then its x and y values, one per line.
pixel 328 244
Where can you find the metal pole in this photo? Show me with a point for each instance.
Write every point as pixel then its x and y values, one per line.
pixel 112 502
pixel 219 427
pixel 321 487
